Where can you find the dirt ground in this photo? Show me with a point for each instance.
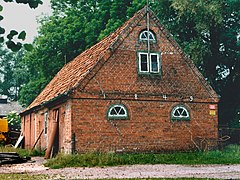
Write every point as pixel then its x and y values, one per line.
pixel 134 171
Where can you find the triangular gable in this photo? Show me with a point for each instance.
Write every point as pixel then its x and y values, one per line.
pixel 79 71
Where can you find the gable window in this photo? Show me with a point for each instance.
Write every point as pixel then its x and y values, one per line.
pixel 145 34
pixel 148 62
pixel 180 112
pixel 117 111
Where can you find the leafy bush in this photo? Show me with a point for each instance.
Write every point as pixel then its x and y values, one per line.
pixel 14 121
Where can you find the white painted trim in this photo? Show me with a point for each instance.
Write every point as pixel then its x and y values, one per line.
pixel 158 63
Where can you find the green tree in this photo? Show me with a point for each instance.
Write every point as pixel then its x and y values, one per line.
pixel 11 80
pixel 207 31
pixel 74 26
pixel 16 45
pixel 14 121
pixel 214 46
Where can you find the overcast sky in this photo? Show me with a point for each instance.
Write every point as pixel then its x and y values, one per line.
pixel 21 17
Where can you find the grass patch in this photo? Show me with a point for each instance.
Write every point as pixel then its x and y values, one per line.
pixel 230 155
pixel 22 176
pixel 22 152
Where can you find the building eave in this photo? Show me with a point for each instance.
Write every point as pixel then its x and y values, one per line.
pixel 48 104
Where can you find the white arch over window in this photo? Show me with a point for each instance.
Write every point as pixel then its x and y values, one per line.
pixel 180 112
pixel 117 111
pixel 144 35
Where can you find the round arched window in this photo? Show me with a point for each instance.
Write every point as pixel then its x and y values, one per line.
pixel 180 112
pixel 145 34
pixel 117 111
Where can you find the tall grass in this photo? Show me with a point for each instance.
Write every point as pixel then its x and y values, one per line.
pixel 230 155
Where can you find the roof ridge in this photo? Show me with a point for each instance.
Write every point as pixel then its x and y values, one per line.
pixel 78 72
pixel 90 55
pixel 125 29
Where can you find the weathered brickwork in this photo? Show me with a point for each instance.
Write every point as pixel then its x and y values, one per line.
pixel 149 127
pixel 33 127
pixel 108 74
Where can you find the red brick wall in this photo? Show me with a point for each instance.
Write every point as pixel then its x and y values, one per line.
pixel 149 127
pixel 32 131
pixel 119 75
pixel 149 100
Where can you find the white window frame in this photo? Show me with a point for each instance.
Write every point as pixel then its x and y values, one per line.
pixel 117 116
pixel 158 63
pixel 149 62
pixel 173 117
pixel 149 35
pixel 139 56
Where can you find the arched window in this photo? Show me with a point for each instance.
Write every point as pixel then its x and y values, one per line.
pixel 144 35
pixel 180 112
pixel 117 111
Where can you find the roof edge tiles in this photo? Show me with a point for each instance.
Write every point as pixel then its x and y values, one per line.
pixel 85 62
pixel 79 71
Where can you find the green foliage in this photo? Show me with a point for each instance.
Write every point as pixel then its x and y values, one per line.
pixel 74 26
pixel 206 30
pixel 31 90
pixel 22 35
pixel 31 3
pixel 16 45
pixel 14 120
pixel 11 79
pixel 231 155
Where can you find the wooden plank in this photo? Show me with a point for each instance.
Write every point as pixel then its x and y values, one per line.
pixel 11 158
pixel 37 139
pixel 19 141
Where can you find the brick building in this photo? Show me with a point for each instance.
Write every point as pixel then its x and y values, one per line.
pixel 133 91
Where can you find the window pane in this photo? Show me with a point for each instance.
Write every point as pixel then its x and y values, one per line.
pixel 184 113
pixel 143 63
pixel 180 113
pixel 154 63
pixel 122 112
pixel 176 113
pixel 144 35
pixel 118 112
pixel 113 112
pixel 151 36
pixel 117 109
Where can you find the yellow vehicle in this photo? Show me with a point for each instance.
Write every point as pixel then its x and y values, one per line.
pixel 3 130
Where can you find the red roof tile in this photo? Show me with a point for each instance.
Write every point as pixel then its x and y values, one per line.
pixel 72 73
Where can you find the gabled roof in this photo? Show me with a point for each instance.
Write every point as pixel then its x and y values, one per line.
pixel 72 75
pixel 74 72
pixel 7 107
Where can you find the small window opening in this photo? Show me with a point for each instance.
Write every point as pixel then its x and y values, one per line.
pixel 179 112
pixel 145 34
pixel 117 111
pixel 149 63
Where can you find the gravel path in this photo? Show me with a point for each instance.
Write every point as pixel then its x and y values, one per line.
pixel 133 171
